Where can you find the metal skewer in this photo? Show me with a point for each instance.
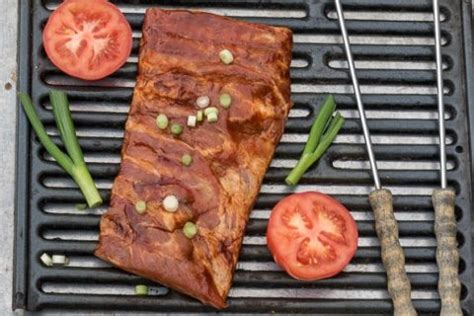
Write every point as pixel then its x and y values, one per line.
pixel 447 255
pixel 439 78
pixel 381 201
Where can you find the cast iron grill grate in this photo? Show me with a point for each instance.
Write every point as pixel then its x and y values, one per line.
pixel 393 48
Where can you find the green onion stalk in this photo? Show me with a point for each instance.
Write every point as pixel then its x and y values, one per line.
pixel 73 162
pixel 325 128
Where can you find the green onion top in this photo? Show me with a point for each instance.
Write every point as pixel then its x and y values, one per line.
pixel 190 230
pixel 225 100
pixel 226 56
pixel 324 130
pixel 176 129
pixel 187 159
pixel 72 162
pixel 140 207
pixel 162 121
pixel 141 289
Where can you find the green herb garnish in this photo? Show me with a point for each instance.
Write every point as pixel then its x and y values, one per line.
pixel 190 230
pixel 162 121
pixel 73 163
pixel 226 56
pixel 186 159
pixel 225 100
pixel 141 289
pixel 176 129
pixel 325 128
pixel 210 110
pixel 212 117
pixel 140 207
pixel 199 115
pixel 81 206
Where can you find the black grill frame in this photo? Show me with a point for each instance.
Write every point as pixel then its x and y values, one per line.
pixel 31 195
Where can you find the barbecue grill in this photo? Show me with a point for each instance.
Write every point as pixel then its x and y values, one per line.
pixel 393 46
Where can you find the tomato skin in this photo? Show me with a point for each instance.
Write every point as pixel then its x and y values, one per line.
pixel 311 235
pixel 96 52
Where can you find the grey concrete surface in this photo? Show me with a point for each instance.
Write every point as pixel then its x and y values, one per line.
pixel 8 50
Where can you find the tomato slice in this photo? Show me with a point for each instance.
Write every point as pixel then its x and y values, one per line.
pixel 87 39
pixel 311 235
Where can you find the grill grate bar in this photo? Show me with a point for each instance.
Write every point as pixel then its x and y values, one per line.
pixel 358 39
pixel 412 216
pixel 91 262
pixel 241 12
pixel 391 165
pixel 385 16
pixel 364 242
pixel 106 133
pixel 326 294
pixel 54 182
pixel 60 80
pixel 54 288
pixel 114 159
pixel 385 64
pixel 99 289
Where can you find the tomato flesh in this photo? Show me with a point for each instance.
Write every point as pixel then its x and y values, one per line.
pixel 311 235
pixel 88 39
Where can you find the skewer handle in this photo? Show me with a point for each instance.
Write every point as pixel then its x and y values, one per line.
pixel 447 255
pixel 393 257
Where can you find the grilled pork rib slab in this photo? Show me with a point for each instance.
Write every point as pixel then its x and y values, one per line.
pixel 179 61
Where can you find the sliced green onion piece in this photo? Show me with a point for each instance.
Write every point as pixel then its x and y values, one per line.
pixel 140 207
pixel 226 56
pixel 203 101
pixel 186 159
pixel 176 129
pixel 59 260
pixel 192 119
pixel 225 100
pixel 162 121
pixel 81 206
pixel 171 203
pixel 210 110
pixel 141 289
pixel 46 259
pixel 199 115
pixel 212 117
pixel 190 230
